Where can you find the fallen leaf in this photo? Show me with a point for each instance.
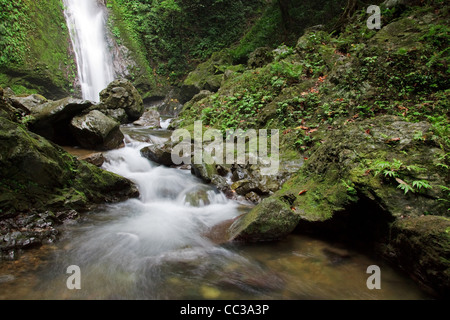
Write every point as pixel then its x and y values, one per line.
pixel 393 140
pixel 302 192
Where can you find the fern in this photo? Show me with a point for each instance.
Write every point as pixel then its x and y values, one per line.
pixel 419 184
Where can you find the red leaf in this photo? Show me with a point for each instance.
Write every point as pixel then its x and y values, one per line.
pixel 302 192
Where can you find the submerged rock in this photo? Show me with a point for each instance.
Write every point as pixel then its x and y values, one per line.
pixel 96 131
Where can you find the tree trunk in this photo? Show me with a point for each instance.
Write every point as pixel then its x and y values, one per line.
pixel 284 8
pixel 350 9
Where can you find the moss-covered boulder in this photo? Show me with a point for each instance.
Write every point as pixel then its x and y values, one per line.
pixel 207 76
pixel 386 163
pixel 421 247
pixel 121 94
pixel 96 131
pixel 271 220
pixel 260 57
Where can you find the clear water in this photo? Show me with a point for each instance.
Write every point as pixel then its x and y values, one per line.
pixel 160 246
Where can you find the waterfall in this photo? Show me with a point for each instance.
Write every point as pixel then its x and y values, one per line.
pixel 86 20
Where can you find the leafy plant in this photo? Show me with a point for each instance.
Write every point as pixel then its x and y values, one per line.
pixel 397 171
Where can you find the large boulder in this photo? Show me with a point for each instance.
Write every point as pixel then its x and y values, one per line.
pixel 121 94
pixel 51 119
pixel 207 76
pixel 96 131
pixel 421 247
pixel 28 103
pixel 272 219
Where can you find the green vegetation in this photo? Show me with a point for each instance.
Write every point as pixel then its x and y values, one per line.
pixel 35 48
pixel 173 35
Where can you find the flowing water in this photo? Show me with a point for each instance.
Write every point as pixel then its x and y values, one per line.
pixel 160 247
pixel 86 20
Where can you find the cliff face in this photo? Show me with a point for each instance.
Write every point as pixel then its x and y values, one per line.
pixel 35 48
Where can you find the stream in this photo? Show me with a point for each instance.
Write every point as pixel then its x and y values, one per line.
pixel 159 247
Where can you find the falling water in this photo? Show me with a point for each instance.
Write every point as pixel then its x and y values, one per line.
pixel 86 20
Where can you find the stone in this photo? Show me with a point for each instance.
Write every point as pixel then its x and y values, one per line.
pixel 97 159
pixel 28 103
pixel 52 119
pixel 260 57
pixel 96 131
pixel 272 219
pixel 161 154
pixel 117 114
pixel 38 175
pixel 121 94
pixel 421 247
pixel 150 118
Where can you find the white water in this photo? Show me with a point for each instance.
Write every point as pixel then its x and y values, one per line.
pixel 86 20
pixel 157 247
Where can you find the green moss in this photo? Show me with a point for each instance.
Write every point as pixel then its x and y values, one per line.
pixel 41 60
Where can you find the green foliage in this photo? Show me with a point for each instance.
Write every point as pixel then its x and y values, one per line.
pixel 398 171
pixel 275 27
pixel 174 33
pixel 34 47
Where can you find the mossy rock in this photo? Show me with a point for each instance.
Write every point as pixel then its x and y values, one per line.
pixel 36 173
pixel 96 131
pixel 338 175
pixel 272 219
pixel 421 247
pixel 207 76
pixel 121 94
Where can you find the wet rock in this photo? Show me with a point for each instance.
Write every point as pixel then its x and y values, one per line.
pixel 421 247
pixel 198 198
pixel 97 159
pixel 52 119
pixel 161 154
pixel 117 114
pixel 38 175
pixel 253 197
pixel 96 131
pixel 121 94
pixel 272 219
pixel 150 118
